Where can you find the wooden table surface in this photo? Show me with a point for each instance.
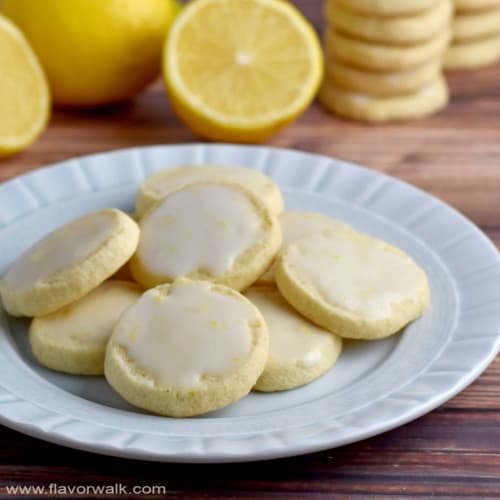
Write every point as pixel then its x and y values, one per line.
pixel 453 451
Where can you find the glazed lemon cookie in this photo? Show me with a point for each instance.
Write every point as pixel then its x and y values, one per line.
pixel 475 25
pixel 187 348
pixel 157 186
pixel 382 84
pixel 68 263
pixel 473 54
pixel 296 225
pixel 73 339
pixel 353 285
pixel 299 351
pixel 383 57
pixel 424 102
pixel 218 232
pixel 408 29
pixel 390 7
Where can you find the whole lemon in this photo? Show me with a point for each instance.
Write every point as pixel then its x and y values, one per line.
pixel 95 52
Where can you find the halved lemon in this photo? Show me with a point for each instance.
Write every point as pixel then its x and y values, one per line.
pixel 24 93
pixel 239 70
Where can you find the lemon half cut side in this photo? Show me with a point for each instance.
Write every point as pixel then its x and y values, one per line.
pixel 239 70
pixel 24 92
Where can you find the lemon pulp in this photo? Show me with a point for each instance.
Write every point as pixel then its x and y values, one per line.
pixel 241 69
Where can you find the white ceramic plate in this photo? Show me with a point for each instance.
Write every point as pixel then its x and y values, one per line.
pixel 374 387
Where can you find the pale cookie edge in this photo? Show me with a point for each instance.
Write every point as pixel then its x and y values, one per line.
pixel 277 376
pixel 70 284
pixel 237 280
pixel 345 323
pixel 384 109
pixel 214 393
pixel 146 199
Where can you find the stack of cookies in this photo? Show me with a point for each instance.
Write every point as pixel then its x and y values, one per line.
pixel 476 34
pixel 383 59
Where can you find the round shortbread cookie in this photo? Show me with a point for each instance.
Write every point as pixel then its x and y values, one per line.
pixel 299 351
pixel 381 57
pixel 68 263
pixel 157 186
pixel 389 7
pixel 402 30
pixel 218 232
pixel 473 54
pixel 73 339
pixel 382 84
pixel 424 102
pixel 480 24
pixel 475 5
pixel 187 348
pixel 352 285
pixel 296 225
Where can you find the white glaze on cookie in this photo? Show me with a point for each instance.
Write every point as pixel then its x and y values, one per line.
pixel 164 182
pixel 202 227
pixel 61 249
pixel 293 338
pixel 355 272
pixel 191 332
pixel 296 225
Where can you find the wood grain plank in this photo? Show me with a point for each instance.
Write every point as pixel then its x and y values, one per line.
pixel 454 155
pixel 458 164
